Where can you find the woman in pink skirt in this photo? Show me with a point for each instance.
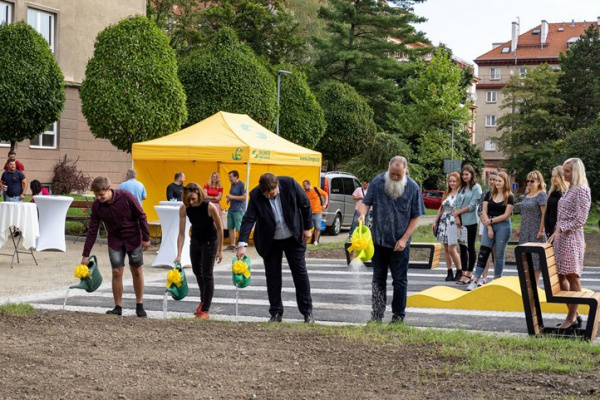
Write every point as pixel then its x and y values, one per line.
pixel 568 240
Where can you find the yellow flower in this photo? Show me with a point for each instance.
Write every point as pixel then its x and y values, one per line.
pixel 82 271
pixel 240 267
pixel 174 277
pixel 358 244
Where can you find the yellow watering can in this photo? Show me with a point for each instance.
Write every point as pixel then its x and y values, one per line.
pixel 362 243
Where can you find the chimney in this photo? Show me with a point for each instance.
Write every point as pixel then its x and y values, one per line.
pixel 544 36
pixel 515 37
pixel 598 21
pixel 572 23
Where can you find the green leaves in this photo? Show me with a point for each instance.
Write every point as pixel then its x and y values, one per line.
pixel 32 92
pixel 227 76
pixel 131 92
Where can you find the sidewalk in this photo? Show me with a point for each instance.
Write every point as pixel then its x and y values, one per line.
pixel 55 268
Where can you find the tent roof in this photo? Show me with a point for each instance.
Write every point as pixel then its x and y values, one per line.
pixel 226 137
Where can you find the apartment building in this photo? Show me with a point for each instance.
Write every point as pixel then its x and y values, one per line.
pixel 542 44
pixel 70 27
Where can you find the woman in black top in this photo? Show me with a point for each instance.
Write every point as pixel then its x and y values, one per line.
pixel 206 243
pixel 557 189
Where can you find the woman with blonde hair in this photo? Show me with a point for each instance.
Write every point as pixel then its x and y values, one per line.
pixel 568 238
pixel 445 228
pixel 533 207
pixel 213 190
pixel 558 187
pixel 497 209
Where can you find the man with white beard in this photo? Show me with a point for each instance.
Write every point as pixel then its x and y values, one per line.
pixel 397 205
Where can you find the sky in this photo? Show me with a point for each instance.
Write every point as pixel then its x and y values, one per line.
pixel 469 27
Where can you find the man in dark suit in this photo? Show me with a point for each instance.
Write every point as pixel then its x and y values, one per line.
pixel 282 213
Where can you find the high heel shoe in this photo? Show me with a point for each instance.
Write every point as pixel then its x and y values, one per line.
pixel 575 324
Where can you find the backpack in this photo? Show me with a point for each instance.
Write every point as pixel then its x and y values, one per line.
pixel 321 197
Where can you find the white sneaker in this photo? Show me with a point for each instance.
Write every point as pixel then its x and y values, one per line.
pixel 471 286
pixel 482 282
pixel 316 243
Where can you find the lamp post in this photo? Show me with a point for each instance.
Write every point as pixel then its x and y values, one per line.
pixel 458 122
pixel 279 72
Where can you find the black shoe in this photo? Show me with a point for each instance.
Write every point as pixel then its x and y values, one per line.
pixel 115 311
pixel 458 275
pixel 276 317
pixel 139 310
pixel 308 318
pixel 396 319
pixel 450 276
pixel 16 233
pixel 375 319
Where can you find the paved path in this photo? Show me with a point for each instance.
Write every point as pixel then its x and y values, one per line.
pixel 340 295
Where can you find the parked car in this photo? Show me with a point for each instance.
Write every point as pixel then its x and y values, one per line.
pixel 518 199
pixel 433 198
pixel 340 211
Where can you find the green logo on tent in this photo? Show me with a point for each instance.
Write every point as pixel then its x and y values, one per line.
pixel 261 135
pixel 264 154
pixel 236 155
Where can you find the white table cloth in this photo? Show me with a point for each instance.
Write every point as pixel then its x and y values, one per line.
pixel 53 215
pixel 23 216
pixel 169 223
pixel 170 203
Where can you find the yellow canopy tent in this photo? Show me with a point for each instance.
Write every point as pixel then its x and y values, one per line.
pixel 223 142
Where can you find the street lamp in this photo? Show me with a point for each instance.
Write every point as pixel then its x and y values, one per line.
pixel 279 72
pixel 458 122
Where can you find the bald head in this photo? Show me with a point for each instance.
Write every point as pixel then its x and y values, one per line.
pixel 397 168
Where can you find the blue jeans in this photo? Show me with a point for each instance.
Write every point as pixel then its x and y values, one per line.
pixel 355 222
pixel 397 262
pixel 502 233
pixel 14 199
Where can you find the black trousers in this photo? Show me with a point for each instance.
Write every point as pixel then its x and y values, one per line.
pixel 468 254
pixel 294 253
pixel 202 255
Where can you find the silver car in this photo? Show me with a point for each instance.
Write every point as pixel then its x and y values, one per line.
pixel 339 186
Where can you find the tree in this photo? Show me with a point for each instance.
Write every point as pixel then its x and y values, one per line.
pixel 350 126
pixel 301 118
pixel 426 121
pixel 366 38
pixel 227 76
pixel 32 94
pixel 131 92
pixel 375 159
pixel 584 143
pixel 533 122
pixel 579 84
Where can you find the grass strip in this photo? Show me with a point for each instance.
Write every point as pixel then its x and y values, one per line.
pixel 16 309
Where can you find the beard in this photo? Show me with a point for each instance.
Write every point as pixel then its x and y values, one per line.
pixel 394 189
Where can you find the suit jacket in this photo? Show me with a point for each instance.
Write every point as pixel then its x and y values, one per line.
pixel 296 212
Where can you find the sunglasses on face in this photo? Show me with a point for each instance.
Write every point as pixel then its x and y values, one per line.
pixel 531 180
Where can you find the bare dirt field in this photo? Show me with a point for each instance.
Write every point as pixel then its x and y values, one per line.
pixel 56 355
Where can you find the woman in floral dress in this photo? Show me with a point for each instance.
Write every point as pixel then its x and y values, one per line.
pixel 568 239
pixel 533 207
pixel 445 226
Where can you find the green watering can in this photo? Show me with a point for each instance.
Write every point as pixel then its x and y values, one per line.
pixel 94 280
pixel 240 271
pixel 178 288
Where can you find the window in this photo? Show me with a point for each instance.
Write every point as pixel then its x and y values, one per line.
pixel 337 186
pixel 494 74
pixel 491 96
pixel 522 72
pixel 42 22
pixel 505 50
pixel 490 120
pixel 47 140
pixel 5 13
pixel 490 145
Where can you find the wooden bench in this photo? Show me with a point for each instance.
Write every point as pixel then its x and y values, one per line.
pixel 433 259
pixel 531 302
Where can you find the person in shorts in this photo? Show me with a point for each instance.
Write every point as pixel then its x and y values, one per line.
pixel 128 234
pixel 237 207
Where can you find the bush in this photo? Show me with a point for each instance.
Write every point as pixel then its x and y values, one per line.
pixel 68 179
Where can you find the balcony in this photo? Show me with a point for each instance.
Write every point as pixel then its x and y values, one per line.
pixel 485 80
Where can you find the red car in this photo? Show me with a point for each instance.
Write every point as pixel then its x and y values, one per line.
pixel 433 198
